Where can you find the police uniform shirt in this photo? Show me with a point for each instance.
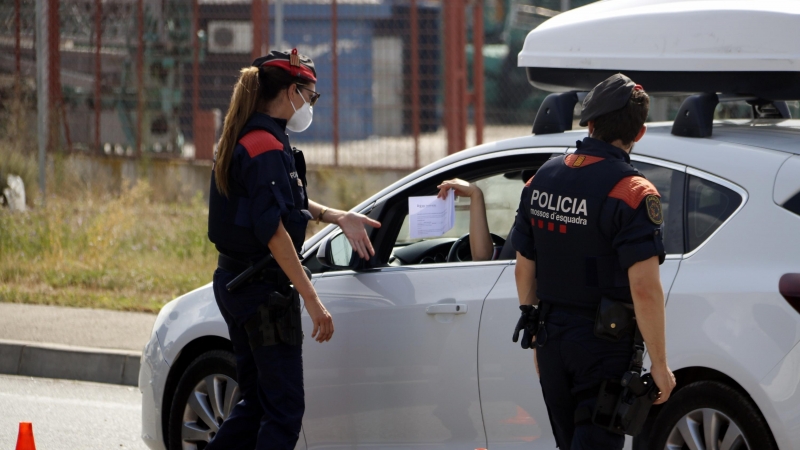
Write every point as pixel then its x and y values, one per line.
pixel 629 219
pixel 266 185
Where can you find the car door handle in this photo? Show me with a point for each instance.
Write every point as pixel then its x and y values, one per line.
pixel 447 308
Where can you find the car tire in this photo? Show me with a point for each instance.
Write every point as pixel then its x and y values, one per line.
pixel 204 397
pixel 709 414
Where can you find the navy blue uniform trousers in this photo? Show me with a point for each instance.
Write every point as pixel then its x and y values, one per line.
pixel 270 414
pixel 571 361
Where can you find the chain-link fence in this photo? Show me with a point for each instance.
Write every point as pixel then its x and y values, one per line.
pixel 401 87
pixel 133 77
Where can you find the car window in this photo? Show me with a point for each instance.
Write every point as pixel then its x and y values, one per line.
pixel 670 185
pixel 708 205
pixel 793 204
pixel 501 180
pixel 501 195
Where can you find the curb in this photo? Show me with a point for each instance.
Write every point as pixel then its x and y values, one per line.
pixel 72 363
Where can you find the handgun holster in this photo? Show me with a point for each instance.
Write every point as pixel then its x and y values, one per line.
pixel 277 320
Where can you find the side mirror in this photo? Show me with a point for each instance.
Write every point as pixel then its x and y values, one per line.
pixel 335 252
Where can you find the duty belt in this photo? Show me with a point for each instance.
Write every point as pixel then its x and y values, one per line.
pixel 269 275
pixel 589 313
pixel 546 308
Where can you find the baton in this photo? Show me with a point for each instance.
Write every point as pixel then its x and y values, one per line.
pixel 248 273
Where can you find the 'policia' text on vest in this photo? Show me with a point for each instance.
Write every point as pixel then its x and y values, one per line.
pixel 567 205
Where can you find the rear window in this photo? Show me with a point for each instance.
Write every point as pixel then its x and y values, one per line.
pixel 670 185
pixel 793 204
pixel 708 205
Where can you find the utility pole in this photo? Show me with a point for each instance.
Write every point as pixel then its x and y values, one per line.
pixel 279 25
pixel 42 91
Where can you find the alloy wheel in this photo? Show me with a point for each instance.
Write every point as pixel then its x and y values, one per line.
pixel 706 429
pixel 209 404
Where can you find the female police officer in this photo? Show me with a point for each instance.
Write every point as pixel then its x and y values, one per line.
pixel 258 206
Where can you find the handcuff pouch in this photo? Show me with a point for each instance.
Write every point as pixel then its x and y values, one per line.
pixel 614 319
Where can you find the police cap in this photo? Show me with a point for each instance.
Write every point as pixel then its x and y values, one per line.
pixel 296 64
pixel 610 95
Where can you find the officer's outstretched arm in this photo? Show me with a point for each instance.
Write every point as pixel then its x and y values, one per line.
pixel 353 226
pixel 284 253
pixel 525 275
pixel 648 302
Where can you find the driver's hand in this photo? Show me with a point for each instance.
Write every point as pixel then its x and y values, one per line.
pixel 462 188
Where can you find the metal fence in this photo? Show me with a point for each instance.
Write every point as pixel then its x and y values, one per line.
pixel 402 85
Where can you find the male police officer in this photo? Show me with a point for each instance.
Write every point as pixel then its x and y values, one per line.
pixel 588 232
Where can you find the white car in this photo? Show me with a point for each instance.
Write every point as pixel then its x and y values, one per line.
pixel 422 355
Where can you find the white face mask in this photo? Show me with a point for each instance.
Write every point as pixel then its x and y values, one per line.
pixel 301 119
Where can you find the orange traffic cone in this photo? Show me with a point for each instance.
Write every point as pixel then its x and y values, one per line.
pixel 25 438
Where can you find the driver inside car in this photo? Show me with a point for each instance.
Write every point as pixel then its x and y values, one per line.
pixel 480 241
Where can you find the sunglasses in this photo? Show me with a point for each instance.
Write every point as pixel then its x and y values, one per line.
pixel 314 94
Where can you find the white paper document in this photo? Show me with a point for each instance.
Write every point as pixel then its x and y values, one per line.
pixel 431 216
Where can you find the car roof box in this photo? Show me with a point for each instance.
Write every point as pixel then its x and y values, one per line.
pixel 736 47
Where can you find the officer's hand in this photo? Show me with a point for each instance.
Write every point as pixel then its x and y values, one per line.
pixel 528 323
pixel 665 380
pixel 321 318
pixel 462 188
pixel 352 224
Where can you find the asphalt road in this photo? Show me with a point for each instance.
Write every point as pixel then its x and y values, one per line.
pixel 70 414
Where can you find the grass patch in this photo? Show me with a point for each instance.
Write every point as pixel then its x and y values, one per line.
pixel 102 240
pixel 120 252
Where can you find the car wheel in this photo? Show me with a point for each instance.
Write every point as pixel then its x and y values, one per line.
pixel 708 415
pixel 204 398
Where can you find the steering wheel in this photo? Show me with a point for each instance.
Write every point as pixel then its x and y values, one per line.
pixel 460 251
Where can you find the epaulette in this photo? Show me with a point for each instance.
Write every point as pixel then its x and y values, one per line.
pixel 257 142
pixel 632 190
pixel 574 161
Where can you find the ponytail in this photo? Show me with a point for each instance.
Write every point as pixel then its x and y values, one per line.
pixel 244 102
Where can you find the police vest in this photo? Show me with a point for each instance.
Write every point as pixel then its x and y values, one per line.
pixel 230 235
pixel 575 263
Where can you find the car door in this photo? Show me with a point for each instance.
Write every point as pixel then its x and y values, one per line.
pixel 401 369
pixel 514 413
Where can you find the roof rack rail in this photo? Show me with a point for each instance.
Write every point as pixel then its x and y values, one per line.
pixel 696 114
pixel 765 109
pixel 555 114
